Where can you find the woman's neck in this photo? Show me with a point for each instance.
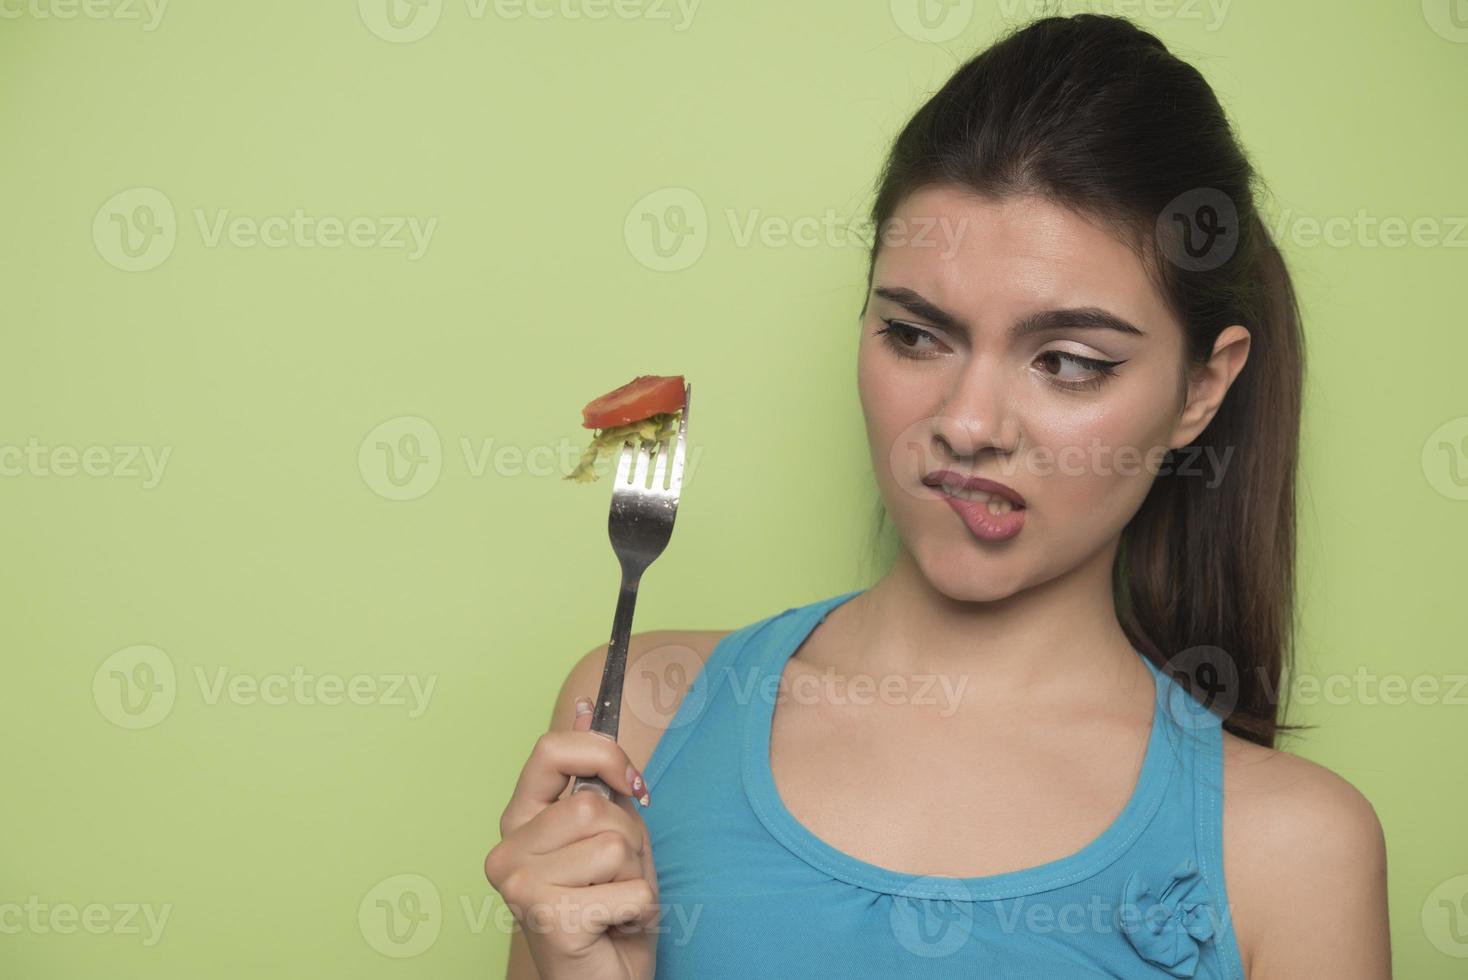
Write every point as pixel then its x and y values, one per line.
pixel 1056 641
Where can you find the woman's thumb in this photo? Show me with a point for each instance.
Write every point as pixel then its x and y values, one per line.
pixel 583 714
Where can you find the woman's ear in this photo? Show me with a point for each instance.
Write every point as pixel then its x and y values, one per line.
pixel 1210 383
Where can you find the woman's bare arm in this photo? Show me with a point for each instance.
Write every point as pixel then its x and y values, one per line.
pixel 583 679
pixel 652 653
pixel 1305 865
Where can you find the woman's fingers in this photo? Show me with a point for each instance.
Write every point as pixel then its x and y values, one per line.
pixel 625 901
pixel 595 860
pixel 556 758
pixel 577 918
pixel 576 817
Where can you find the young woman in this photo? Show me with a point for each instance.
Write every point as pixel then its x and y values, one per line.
pixel 1080 371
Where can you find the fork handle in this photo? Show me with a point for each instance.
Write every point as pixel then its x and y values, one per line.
pixel 594 784
pixel 607 715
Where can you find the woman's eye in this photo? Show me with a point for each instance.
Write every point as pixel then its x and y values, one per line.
pixel 903 338
pixel 1074 371
pixel 1064 369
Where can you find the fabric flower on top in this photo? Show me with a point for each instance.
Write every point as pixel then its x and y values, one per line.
pixel 1167 925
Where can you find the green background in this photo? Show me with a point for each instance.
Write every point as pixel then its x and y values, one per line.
pixel 271 544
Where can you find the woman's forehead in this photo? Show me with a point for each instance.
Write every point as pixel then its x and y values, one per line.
pixel 982 254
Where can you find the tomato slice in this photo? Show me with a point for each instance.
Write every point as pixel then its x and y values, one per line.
pixel 644 396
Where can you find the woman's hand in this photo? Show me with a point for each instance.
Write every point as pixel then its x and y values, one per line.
pixel 576 870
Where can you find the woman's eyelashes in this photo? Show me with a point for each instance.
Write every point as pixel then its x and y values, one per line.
pixel 894 332
pixel 902 339
pixel 1098 370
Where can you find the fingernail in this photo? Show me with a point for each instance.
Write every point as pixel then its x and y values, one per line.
pixel 583 705
pixel 639 788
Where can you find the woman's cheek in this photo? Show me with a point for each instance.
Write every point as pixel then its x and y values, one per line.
pixel 899 434
pixel 1097 470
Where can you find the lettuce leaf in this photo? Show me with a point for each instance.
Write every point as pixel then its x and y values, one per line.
pixel 654 428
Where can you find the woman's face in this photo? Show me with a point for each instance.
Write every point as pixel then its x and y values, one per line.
pixel 1016 341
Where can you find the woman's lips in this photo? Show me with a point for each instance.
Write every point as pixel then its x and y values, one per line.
pixel 984 525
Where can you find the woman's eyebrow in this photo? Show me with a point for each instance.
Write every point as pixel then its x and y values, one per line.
pixel 1077 318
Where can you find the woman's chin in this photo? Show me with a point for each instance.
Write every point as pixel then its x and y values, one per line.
pixel 970 577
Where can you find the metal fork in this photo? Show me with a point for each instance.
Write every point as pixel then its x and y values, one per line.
pixel 640 525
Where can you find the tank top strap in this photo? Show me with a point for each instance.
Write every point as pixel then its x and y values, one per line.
pixel 1194 886
pixel 727 673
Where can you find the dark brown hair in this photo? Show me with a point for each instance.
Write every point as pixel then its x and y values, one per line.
pixel 1094 113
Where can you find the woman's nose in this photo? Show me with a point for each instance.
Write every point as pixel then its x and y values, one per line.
pixel 978 414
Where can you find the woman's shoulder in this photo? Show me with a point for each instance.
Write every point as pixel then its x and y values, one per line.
pixel 1305 865
pixel 1291 810
pixel 661 666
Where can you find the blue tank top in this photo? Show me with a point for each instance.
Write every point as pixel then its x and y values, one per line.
pixel 747 891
